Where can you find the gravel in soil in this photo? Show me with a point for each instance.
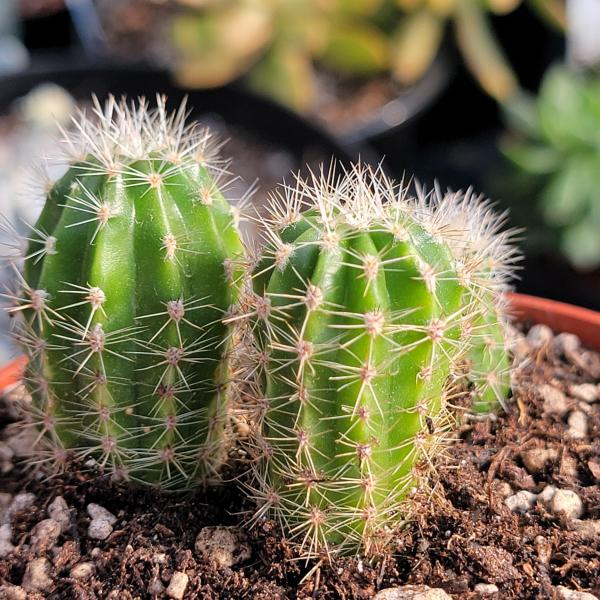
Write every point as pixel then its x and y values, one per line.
pixel 515 513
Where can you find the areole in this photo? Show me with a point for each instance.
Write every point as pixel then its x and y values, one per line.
pixel 561 317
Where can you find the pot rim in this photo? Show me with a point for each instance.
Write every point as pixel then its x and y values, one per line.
pixel 561 317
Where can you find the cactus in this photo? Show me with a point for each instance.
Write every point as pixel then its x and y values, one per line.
pixel 368 307
pixel 127 276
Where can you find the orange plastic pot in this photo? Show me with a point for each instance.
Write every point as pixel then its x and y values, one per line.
pixel 559 316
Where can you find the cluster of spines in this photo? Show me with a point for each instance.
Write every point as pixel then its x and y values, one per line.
pixel 335 469
pixel 127 393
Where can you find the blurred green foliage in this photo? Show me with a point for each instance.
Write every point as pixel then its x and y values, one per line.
pixel 279 43
pixel 554 150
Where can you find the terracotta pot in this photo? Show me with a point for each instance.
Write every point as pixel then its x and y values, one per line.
pixel 561 317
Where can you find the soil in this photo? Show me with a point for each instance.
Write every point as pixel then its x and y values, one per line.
pixel 464 533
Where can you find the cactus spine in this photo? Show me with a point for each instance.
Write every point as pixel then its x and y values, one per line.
pixel 128 274
pixel 369 305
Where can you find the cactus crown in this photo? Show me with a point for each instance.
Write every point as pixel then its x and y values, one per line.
pixel 127 276
pixel 370 306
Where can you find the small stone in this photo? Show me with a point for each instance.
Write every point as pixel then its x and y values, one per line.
pixel 226 546
pixel 12 592
pixel 155 587
pixel 98 512
pixel 567 594
pixel 6 456
pixel 99 529
pixel 6 546
pixel 37 576
pixel 160 558
pixel 567 343
pixel 5 500
pixel 412 592
pixel 568 503
pixel 520 349
pixel 546 495
pixel 521 502
pixel 82 571
pixel 555 402
pixel 44 536
pixel 503 488
pixel 588 392
pixel 535 460
pixel 568 466
pixel 19 503
pixel 578 425
pixel 543 549
pixel 486 589
pixel 177 585
pixel 589 529
pixel 539 336
pixel 23 442
pixel 59 511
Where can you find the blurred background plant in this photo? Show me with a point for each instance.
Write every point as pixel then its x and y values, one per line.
pixel 279 41
pixel 554 150
pixel 421 30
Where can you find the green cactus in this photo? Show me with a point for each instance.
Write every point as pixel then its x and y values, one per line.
pixel 128 274
pixel 369 307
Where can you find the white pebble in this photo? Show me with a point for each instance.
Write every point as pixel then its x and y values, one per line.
pixel 6 546
pixel 412 592
pixel 555 402
pixel 224 545
pixel 19 503
pixel 522 501
pixel 82 571
pixel 37 576
pixel 486 589
pixel 160 558
pixel 567 594
pixel 588 392
pixel 99 512
pixel 59 511
pixel 12 592
pixel 539 335
pixel 44 536
pixel 155 587
pixel 546 495
pixel 568 503
pixel 177 585
pixel 578 425
pixel 99 529
pixel 567 343
pixel 503 488
pixel 535 460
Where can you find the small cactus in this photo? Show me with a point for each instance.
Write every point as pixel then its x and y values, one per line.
pixel 127 277
pixel 369 308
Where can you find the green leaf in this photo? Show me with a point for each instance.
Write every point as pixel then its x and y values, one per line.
pixel 581 244
pixel 415 44
pixel 356 49
pixel 568 194
pixel 520 114
pixel 285 74
pixel 562 110
pixel 534 159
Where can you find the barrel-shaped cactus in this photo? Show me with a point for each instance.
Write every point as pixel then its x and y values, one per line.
pixel 128 275
pixel 370 308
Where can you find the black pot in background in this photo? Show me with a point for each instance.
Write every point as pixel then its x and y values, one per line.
pixel 265 120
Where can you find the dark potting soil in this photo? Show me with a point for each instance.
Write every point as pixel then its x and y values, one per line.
pixel 464 533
